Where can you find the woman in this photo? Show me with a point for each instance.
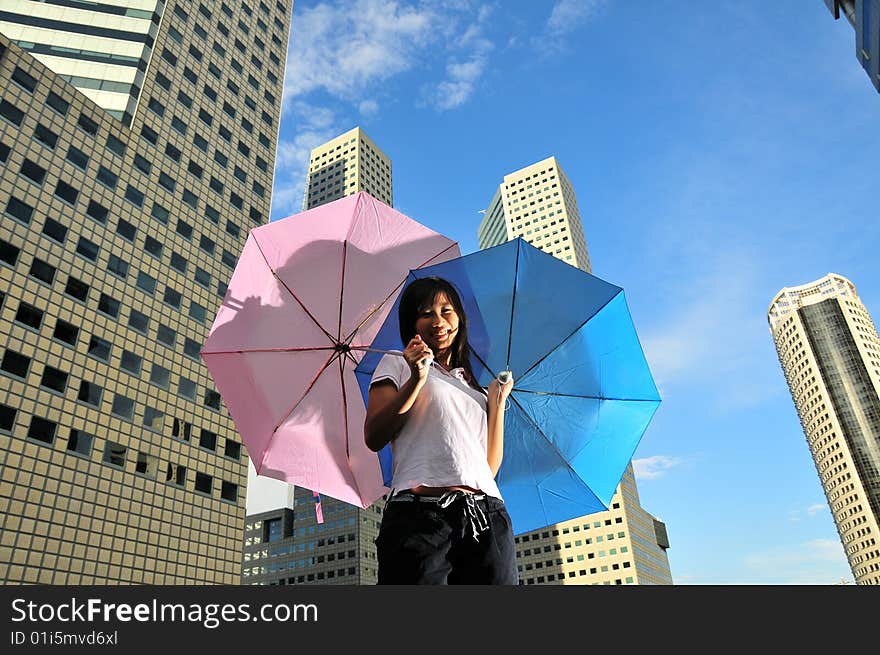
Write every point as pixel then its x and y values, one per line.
pixel 445 521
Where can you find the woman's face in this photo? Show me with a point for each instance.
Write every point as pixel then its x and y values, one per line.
pixel 437 324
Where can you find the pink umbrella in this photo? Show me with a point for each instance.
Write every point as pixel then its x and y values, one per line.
pixel 306 290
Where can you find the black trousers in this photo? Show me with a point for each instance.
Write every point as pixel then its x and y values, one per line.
pixel 422 542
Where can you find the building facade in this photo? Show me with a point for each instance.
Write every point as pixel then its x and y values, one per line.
pixel 121 223
pixel 864 16
pixel 625 544
pixel 288 546
pixel 830 353
pixel 349 163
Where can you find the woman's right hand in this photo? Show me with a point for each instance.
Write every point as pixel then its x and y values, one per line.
pixel 415 353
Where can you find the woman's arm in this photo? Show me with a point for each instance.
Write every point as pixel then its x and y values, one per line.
pixel 387 406
pixel 498 394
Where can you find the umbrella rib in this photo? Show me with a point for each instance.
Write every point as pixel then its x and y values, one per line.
pixel 513 305
pixel 342 289
pixel 290 291
pixel 575 331
pixel 265 350
pixel 345 426
pixel 574 395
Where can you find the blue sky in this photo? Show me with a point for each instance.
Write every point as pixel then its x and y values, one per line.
pixel 719 152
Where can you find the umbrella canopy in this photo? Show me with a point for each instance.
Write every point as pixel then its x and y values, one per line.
pixel 583 394
pixel 306 290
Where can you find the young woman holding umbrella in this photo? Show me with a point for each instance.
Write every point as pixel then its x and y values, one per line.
pixel 445 521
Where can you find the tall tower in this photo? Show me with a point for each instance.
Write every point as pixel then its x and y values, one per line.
pixel 864 16
pixel 341 549
pixel 349 163
pixel 121 224
pixel 625 544
pixel 830 353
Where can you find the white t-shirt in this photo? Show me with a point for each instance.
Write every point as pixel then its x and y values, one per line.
pixel 444 440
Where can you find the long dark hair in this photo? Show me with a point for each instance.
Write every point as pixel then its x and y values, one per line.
pixel 420 294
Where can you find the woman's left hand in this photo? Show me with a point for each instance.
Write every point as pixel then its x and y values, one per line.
pixel 498 392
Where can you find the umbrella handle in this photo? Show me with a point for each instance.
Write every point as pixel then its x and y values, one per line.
pixel 504 377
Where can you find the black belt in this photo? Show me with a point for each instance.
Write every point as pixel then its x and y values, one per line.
pixel 475 516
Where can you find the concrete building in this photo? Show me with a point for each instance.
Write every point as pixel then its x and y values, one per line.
pixel 288 546
pixel 625 544
pixel 122 218
pixel 864 16
pixel 830 353
pixel 349 163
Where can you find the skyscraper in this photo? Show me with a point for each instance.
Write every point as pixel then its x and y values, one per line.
pixel 341 549
pixel 830 353
pixel 625 544
pixel 124 209
pixel 346 164
pixel 864 16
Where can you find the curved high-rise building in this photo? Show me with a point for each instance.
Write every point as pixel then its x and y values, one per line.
pixel 830 353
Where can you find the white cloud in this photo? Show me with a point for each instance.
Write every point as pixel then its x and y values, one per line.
pixel 812 510
pixel 819 561
pixel 656 466
pixel 368 107
pixel 567 15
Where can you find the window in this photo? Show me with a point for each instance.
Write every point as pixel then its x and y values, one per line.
pixel 150 135
pixel 19 210
pixel 229 109
pixel 138 322
pixel 29 315
pixel 184 229
pixel 146 283
pixel 229 259
pixel 240 175
pixel 114 454
pixel 8 253
pixel 153 247
pixel 122 407
pixel 187 389
pixel 175 34
pixel 190 75
pixel 80 442
pixel 76 289
pixel 66 332
pixel 160 376
pixel 178 125
pixel 195 170
pixel 54 379
pixel 107 177
pixel 42 271
pixel 55 230
pixel 210 93
pixel 116 146
pixel 97 212
pixel 236 200
pixel 42 429
pixel 146 464
pixel 205 117
pixel 142 164
pixel 167 182
pixel 208 439
pixel 191 348
pixel 160 213
pixel 108 305
pixel 169 56
pixel 212 214
pixel 172 151
pixel 34 172
pixel 206 244
pixel 130 362
pixel 126 230
pixel 77 157
pixel 178 262
pixel 134 196
pixel 222 288
pixel 45 136
pixel 225 133
pixel 216 185
pixel 156 107
pixel 166 335
pixel 15 363
pixel 10 112
pixel 90 393
pixel 229 491
pixel 203 277
pixel 172 297
pixel 117 266
pixel 204 483
pixel 233 229
pixel 200 142
pixel 212 399
pixel 177 474
pixel 163 81
pixel 220 158
pixel 99 348
pixel 87 249
pixel 57 103
pixel 232 449
pixel 214 70
pixel 197 312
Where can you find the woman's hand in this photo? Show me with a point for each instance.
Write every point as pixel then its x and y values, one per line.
pixel 498 392
pixel 415 353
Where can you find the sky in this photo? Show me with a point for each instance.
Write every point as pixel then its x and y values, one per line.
pixel 718 154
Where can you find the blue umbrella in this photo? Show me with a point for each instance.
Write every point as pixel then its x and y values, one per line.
pixel 583 393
